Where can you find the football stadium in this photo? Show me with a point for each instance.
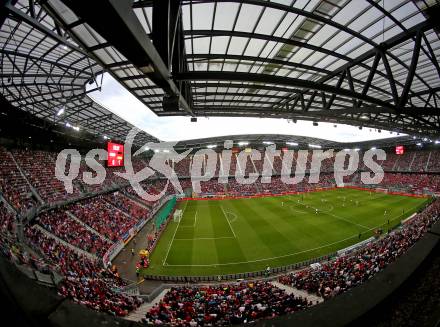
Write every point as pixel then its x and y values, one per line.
pixel 220 162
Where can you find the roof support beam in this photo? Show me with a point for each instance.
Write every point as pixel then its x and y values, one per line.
pixel 280 80
pixel 412 69
pixel 119 25
pixel 21 16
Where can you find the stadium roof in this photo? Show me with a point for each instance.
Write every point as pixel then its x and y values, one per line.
pixel 44 72
pixel 301 142
pixel 364 62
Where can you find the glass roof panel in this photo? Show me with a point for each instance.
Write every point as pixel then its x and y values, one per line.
pixel 224 16
pixel 202 16
pixel 70 67
pixel 247 18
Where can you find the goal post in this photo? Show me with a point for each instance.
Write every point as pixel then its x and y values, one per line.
pixel 178 215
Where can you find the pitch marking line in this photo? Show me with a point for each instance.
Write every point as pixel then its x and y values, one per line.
pixel 233 215
pixel 204 238
pixel 336 216
pixel 265 259
pixel 195 220
pixel 194 224
pixel 174 235
pixel 292 208
pixel 277 257
pixel 229 223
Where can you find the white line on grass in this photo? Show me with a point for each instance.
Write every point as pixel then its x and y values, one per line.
pixel 204 238
pixel 195 220
pixel 233 215
pixel 174 235
pixel 226 217
pixel 292 208
pixel 277 257
pixel 337 217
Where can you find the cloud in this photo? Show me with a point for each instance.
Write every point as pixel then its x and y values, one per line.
pixel 122 103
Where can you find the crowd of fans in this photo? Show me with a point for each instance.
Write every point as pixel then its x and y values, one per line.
pixel 86 282
pixel 13 186
pixel 235 188
pixel 223 305
pixel 39 168
pixel 61 225
pixel 337 276
pixel 103 217
pixel 112 215
pixel 127 205
pixel 413 182
pixel 7 220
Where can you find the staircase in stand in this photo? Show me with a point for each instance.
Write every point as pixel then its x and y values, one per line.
pixel 427 161
pixel 92 230
pixel 298 293
pixel 33 190
pixel 140 312
pixel 59 240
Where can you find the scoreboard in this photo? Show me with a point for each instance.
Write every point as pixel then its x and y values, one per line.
pixel 115 154
pixel 400 149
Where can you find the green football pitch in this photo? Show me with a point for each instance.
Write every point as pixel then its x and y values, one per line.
pixel 244 235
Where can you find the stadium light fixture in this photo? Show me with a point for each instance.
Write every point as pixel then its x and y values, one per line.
pixel 60 112
pixel 68 125
pixel 419 144
pixel 211 146
pixel 243 143
pixel 425 139
pixel 105 137
pixel 76 128
pixel 437 142
pixel 315 146
pixel 292 143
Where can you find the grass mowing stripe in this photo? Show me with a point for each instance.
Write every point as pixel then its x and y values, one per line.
pixel 269 233
pixel 337 217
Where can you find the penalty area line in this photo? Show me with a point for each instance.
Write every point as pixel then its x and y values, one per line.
pixel 229 223
pixel 174 235
pixel 277 257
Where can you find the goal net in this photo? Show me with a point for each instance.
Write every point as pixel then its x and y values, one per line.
pixel 178 215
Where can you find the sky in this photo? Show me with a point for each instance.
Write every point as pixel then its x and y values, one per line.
pixel 119 101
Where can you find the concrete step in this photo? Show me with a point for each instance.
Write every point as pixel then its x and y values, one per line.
pixel 299 293
pixel 138 314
